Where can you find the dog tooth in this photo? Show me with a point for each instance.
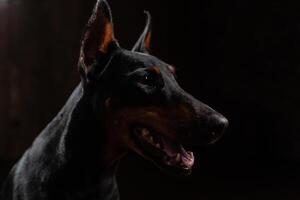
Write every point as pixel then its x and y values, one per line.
pixel 178 157
pixel 151 139
pixel 145 132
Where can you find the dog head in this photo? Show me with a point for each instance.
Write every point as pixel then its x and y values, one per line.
pixel 137 97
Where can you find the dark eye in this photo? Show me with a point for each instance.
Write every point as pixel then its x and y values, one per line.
pixel 148 79
pixel 151 79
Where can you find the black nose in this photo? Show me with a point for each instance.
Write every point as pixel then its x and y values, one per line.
pixel 217 125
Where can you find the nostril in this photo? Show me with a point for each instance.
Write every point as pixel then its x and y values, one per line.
pixel 218 124
pixel 223 123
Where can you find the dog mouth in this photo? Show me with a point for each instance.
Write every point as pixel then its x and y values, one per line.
pixel 163 151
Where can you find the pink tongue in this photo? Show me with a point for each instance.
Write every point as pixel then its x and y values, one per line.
pixel 187 157
pixel 188 160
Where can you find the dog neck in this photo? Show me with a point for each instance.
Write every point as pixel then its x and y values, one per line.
pixel 77 169
pixel 83 144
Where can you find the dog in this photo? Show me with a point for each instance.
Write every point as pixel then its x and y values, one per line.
pixel 127 101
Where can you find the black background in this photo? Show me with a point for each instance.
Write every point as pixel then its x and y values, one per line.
pixel 241 57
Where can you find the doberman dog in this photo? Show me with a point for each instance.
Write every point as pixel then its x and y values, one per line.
pixel 126 101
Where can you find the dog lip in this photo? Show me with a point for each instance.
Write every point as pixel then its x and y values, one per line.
pixel 171 153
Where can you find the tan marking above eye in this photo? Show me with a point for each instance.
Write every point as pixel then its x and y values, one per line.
pixel 172 69
pixel 155 70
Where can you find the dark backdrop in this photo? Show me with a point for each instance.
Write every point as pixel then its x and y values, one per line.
pixel 239 56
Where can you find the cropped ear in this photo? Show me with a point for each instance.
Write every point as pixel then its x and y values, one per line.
pixel 144 42
pixel 98 38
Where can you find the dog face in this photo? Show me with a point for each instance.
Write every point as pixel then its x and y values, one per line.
pixel 137 97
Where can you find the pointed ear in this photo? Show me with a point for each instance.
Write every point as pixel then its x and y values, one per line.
pixel 98 36
pixel 144 42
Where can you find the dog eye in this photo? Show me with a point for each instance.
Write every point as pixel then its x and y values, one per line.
pixel 147 79
pixel 151 79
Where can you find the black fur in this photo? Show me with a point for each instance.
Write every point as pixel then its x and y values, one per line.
pixel 64 162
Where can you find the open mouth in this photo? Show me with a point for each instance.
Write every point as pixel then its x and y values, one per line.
pixel 164 152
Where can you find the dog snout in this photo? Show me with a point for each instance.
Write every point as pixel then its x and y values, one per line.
pixel 206 124
pixel 207 130
pixel 217 125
